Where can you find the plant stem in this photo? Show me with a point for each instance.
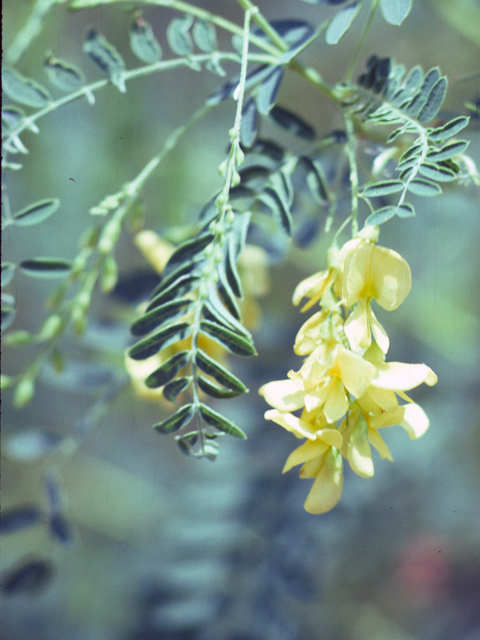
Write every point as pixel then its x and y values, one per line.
pixel 361 42
pixel 352 161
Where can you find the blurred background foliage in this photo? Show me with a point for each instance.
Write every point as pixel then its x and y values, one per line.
pixel 168 548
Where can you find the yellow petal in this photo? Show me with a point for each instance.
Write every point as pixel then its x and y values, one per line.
pixel 355 372
pixel 309 335
pixel 401 376
pixel 155 249
pixel 284 395
pixel 378 443
pixel 387 418
pixel 379 333
pixel 313 287
pixel 384 398
pixel 375 272
pixel 327 488
pixel 311 468
pixel 360 458
pixel 336 402
pixel 291 423
pixel 415 421
pixel 356 327
pixel 332 437
pixel 306 451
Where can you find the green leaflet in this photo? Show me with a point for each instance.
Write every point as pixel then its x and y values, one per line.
pixel 249 123
pixel 342 22
pixel 381 215
pixel 292 123
pixel 148 347
pixel 395 11
pixel 168 370
pixel 434 101
pixel 178 35
pixel 106 57
pixel 231 340
pixel 36 212
pixel 8 269
pixel 205 36
pixel 268 90
pixel 219 422
pixel 226 293
pixel 187 250
pixel 436 172
pixel 448 151
pixel 46 267
pixel 172 280
pixel 143 42
pixel 62 74
pixel 420 99
pixel 174 388
pixel 450 129
pixel 179 419
pixel 24 90
pixel 184 284
pixel 159 315
pixel 383 188
pixel 231 271
pixel 421 187
pixel 217 371
pixel 213 390
pixel 278 207
pixel 316 180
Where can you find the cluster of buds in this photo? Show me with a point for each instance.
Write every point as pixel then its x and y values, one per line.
pixel 345 392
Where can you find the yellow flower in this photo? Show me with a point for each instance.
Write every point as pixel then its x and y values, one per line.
pixel 370 272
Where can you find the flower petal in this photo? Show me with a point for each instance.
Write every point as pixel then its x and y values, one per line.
pixel 356 327
pixel 379 333
pixel 401 376
pixel 332 437
pixel 360 458
pixel 415 421
pixel 291 423
pixel 306 451
pixel 336 402
pixel 328 486
pixel 284 395
pixel 355 372
pixel 378 443
pixel 375 272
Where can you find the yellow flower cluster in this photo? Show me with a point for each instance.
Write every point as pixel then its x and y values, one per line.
pixel 345 392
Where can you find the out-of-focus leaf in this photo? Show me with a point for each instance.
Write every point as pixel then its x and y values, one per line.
pixel 205 36
pixel 62 74
pixel 381 215
pixel 143 42
pixel 106 57
pixel 178 420
pixel 61 530
pixel 8 269
pixel 395 11
pixel 436 172
pixel 178 35
pixel 29 577
pixel 278 207
pixel 268 90
pixel 24 90
pixel 36 212
pixel 31 444
pixel 342 22
pixel 46 267
pixel 249 123
pixel 293 123
pixel 18 518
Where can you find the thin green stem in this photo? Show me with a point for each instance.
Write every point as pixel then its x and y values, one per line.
pixel 352 161
pixel 30 30
pixel 361 42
